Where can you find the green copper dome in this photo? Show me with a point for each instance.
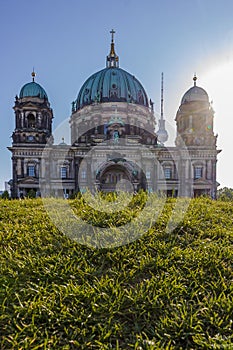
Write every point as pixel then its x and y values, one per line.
pixel 111 84
pixel 33 90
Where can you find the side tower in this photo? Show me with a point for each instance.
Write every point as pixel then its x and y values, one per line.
pixel 33 130
pixel 194 120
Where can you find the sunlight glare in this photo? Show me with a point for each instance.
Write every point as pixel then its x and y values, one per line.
pixel 218 82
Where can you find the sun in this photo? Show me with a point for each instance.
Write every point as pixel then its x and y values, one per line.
pixel 218 82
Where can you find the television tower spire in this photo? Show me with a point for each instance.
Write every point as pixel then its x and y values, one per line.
pixel 162 134
pixel 161 110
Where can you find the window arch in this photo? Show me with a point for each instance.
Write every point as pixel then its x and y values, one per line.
pixel 31 121
pixel 83 174
pixel 168 172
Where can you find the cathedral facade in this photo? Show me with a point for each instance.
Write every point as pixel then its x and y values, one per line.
pixel 114 142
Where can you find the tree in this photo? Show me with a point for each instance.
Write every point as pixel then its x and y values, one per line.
pixel 5 195
pixel 31 194
pixel 225 193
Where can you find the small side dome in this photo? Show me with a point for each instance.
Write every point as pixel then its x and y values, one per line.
pixel 195 93
pixel 33 90
pixel 62 143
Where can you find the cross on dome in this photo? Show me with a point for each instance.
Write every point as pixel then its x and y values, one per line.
pixel 112 32
pixel 112 59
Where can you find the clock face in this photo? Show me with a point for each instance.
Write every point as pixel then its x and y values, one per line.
pixel 30 138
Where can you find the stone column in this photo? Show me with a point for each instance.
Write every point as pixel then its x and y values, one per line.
pixel 214 184
pixel 76 170
pixel 89 175
pixel 154 177
pixel 14 189
pixel 181 177
pixel 185 182
pixel 209 170
pixel 22 167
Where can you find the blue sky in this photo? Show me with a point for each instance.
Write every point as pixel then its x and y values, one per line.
pixel 68 40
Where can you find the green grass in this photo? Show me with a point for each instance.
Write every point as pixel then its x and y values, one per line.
pixel 165 290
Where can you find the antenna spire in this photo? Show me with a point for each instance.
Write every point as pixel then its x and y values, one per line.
pixel 161 111
pixel 162 134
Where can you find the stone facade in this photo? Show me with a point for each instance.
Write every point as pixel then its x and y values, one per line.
pixel 114 145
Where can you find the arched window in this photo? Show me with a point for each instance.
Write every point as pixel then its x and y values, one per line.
pixel 83 174
pixel 31 121
pixel 167 172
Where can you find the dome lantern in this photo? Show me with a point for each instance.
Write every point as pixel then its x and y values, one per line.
pixel 195 79
pixel 33 75
pixel 112 59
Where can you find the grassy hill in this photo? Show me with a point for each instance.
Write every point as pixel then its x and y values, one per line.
pixel 164 290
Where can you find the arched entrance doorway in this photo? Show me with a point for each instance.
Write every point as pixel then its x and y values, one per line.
pixel 116 178
pixel 117 175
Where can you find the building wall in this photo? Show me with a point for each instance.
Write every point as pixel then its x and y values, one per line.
pixel 113 142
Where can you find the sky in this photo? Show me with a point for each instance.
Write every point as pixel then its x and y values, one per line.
pixel 66 41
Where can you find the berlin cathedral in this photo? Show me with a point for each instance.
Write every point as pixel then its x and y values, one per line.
pixel 116 144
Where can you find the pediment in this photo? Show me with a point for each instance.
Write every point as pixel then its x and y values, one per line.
pixel 202 181
pixel 28 180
